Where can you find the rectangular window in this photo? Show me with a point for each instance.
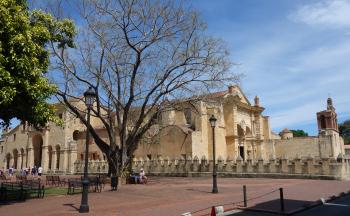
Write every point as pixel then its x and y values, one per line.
pixel 14 137
pixel 60 115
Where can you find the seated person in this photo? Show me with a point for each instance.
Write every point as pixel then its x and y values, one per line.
pixel 143 177
pixel 134 176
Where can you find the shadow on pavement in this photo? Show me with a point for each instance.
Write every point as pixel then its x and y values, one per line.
pixel 202 191
pixel 11 202
pixel 71 205
pixel 275 205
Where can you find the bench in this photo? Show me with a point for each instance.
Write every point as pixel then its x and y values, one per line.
pixel 103 179
pixel 49 180
pixel 94 183
pixel 74 184
pixel 133 179
pixel 19 191
pixel 12 191
pixel 136 179
pixel 34 187
pixel 20 178
pixel 3 178
pixel 55 180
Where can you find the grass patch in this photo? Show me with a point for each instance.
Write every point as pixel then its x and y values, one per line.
pixel 55 191
pixel 60 191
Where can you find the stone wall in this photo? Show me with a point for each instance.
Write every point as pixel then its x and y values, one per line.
pixel 95 167
pixel 297 147
pixel 325 168
pixel 324 145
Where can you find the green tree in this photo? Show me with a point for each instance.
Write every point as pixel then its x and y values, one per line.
pixel 344 130
pixel 24 89
pixel 299 133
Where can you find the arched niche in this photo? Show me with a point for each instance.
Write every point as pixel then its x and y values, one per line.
pixel 58 155
pixel 15 158
pixel 50 152
pixel 76 135
pixel 248 132
pixel 22 157
pixel 8 158
pixel 37 141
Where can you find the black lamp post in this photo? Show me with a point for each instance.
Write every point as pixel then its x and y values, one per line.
pixel 212 121
pixel 89 101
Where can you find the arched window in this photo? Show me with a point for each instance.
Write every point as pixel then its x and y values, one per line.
pixel 22 157
pixel 50 157
pixel 58 154
pixel 15 158
pixel 8 158
pixel 76 135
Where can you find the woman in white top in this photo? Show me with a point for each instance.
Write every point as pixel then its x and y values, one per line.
pixel 40 170
pixel 143 177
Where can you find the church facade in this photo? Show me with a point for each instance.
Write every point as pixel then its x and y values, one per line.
pixel 242 133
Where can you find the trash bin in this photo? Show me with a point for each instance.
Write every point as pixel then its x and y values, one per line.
pixel 114 182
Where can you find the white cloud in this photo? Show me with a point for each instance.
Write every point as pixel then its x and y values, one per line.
pixel 328 13
pixel 293 66
pixel 305 113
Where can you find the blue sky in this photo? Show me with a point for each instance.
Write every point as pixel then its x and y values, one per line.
pixel 294 54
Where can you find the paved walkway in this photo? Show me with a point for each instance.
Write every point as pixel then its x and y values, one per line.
pixel 173 196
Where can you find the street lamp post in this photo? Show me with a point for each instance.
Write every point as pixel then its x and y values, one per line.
pixel 89 101
pixel 212 121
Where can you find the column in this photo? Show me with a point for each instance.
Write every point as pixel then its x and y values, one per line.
pixel 53 162
pixel 45 152
pixel 235 132
pixel 64 157
pixel 30 156
pixel 72 156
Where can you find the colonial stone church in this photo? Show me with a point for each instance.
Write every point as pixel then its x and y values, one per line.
pixel 242 133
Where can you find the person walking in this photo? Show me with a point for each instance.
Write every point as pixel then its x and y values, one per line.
pixel 40 171
pixel 11 171
pixel 33 171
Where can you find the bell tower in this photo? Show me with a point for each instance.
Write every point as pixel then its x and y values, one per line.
pixel 329 140
pixel 327 119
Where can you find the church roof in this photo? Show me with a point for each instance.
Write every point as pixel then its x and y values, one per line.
pixel 285 130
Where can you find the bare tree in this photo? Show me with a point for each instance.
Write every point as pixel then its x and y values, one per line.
pixel 137 55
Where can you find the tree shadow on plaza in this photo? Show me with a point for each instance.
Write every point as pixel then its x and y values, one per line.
pixel 198 190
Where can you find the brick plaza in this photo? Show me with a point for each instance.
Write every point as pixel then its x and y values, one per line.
pixel 176 195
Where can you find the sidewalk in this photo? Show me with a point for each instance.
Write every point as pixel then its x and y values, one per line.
pixel 174 196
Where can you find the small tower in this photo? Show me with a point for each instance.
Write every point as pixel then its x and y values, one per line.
pixel 286 134
pixel 330 141
pixel 256 101
pixel 327 119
